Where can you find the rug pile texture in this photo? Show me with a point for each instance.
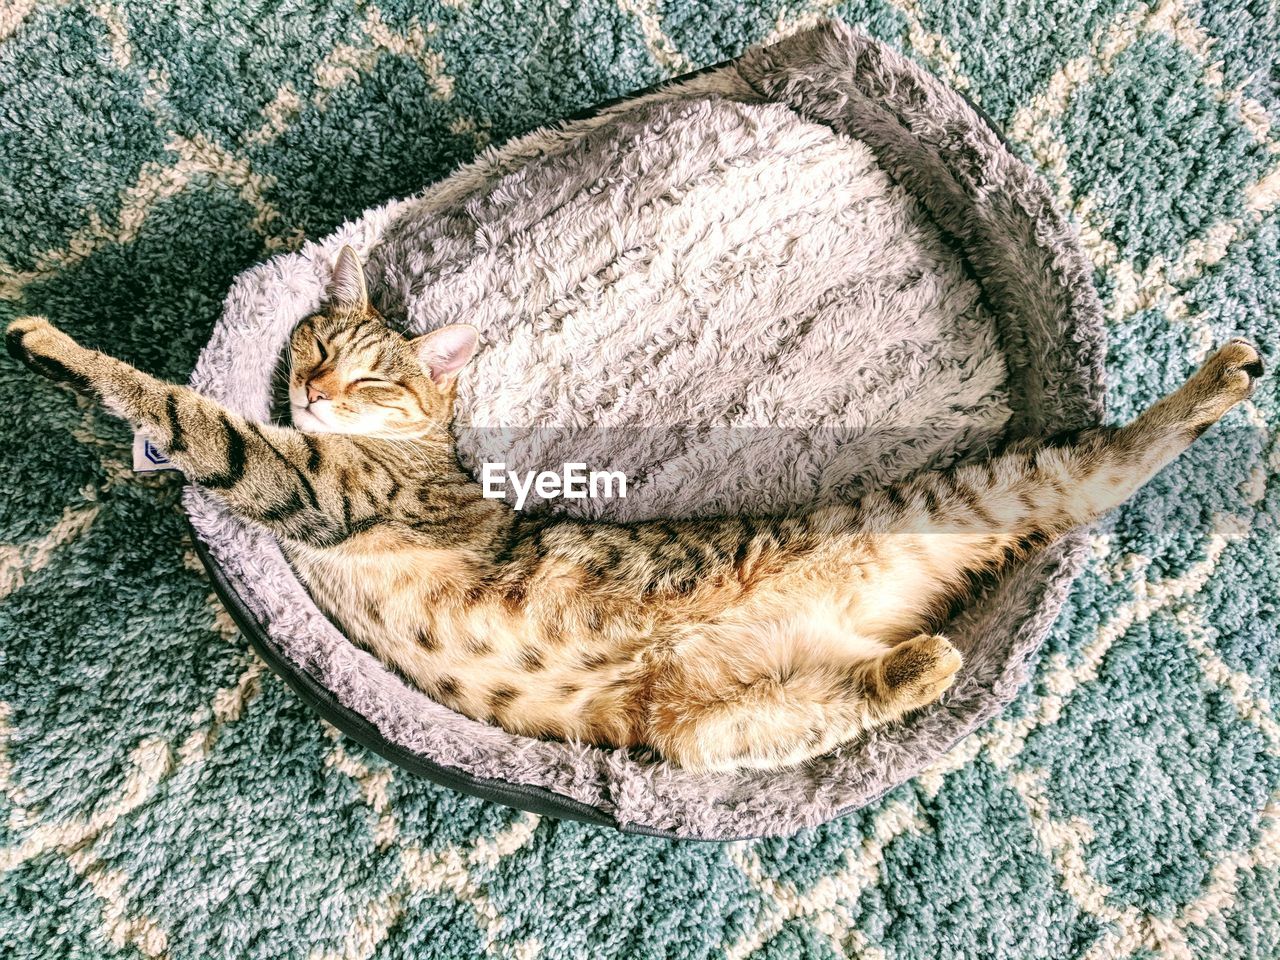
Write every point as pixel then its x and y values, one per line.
pixel 162 795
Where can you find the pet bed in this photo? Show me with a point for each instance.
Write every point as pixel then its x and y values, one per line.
pixel 776 282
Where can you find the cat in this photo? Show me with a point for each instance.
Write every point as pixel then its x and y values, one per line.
pixel 726 643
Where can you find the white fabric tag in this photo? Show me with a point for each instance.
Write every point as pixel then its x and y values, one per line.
pixel 147 457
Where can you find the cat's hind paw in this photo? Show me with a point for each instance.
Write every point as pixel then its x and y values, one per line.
pixel 1237 366
pixel 920 669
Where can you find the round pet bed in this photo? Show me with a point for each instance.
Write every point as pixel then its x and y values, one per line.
pixel 776 282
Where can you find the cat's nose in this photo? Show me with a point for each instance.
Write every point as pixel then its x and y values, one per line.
pixel 314 393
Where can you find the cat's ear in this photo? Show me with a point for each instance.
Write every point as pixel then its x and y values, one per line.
pixel 445 351
pixel 347 288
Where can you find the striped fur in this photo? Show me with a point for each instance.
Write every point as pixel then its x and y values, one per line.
pixel 725 643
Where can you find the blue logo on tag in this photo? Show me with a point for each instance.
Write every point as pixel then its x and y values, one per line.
pixel 153 453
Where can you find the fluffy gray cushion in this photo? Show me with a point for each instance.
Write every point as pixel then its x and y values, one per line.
pixel 809 271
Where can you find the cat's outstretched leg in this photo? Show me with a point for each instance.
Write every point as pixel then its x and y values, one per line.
pixel 980 516
pixel 1080 478
pixel 270 475
pixel 706 716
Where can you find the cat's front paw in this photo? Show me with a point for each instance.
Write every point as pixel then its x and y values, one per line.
pixel 48 351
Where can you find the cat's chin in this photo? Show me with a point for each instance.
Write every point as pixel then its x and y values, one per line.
pixel 308 422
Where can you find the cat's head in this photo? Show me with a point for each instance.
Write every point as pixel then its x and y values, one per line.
pixel 351 373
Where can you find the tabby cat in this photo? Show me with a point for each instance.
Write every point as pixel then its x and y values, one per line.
pixel 725 643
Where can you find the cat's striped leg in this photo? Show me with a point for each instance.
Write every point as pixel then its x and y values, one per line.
pixel 124 390
pixel 941 529
pixel 1075 479
pixel 265 473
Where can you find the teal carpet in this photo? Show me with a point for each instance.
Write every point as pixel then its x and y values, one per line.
pixel 161 795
